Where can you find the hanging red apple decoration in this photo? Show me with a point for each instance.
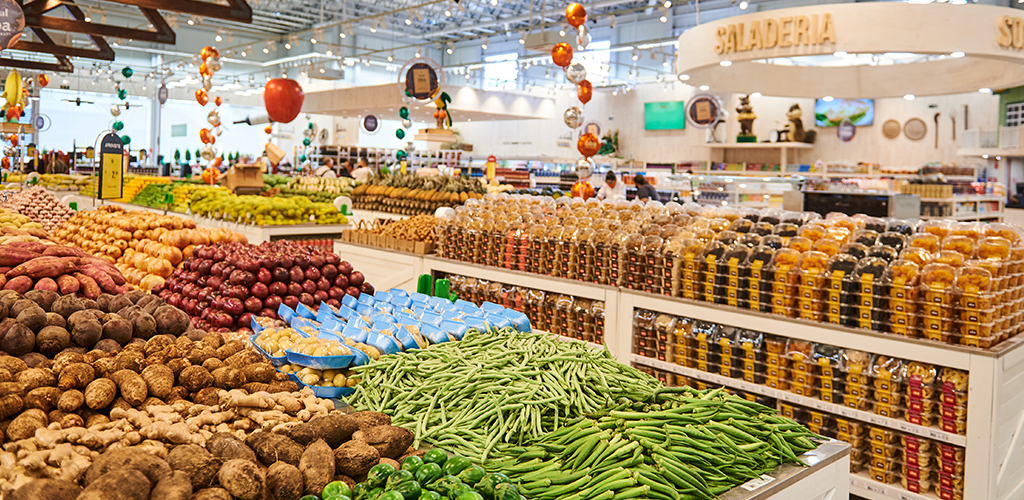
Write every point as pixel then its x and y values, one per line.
pixel 283 99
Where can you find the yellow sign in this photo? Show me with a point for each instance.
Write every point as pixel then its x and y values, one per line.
pixel 111 167
pixel 1011 32
pixel 786 31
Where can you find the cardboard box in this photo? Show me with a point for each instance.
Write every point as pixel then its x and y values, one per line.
pixel 243 175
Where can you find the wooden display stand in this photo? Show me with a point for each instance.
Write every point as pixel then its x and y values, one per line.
pixel 435 135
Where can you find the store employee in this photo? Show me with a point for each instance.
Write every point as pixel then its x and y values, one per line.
pixel 612 189
pixel 644 191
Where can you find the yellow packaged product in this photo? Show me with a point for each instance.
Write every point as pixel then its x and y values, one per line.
pixel 800 244
pixel 927 241
pixel 939 228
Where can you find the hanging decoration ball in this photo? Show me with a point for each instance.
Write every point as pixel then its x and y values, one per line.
pixel 584 38
pixel 217 161
pixel 306 141
pixel 208 153
pixel 205 136
pixel 214 117
pixel 15 140
pixel 406 123
pixel 218 101
pixel 5 163
pixel 576 15
pixel 126 140
pixel 43 80
pixel 268 129
pixel 208 83
pixel 588 145
pixel 311 126
pixel 208 52
pixel 202 97
pixel 127 72
pixel 214 64
pixel 217 130
pixel 573 117
pixel 576 73
pixel 561 54
pixel 584 165
pixel 204 69
pixel 585 91
pixel 122 94
pixel 118 125
pixel 403 112
pixel 401 155
pixel 307 133
pixel 400 134
pixel 115 110
pixel 302 158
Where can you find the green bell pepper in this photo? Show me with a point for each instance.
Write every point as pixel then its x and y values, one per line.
pixel 428 473
pixel 396 478
pixel 336 488
pixel 470 495
pixel 410 490
pixel 412 463
pixel 429 495
pixel 487 484
pixel 455 465
pixel 436 456
pixel 459 490
pixel 445 485
pixel 472 475
pixel 391 495
pixel 506 491
pixel 309 497
pixel 378 475
pixel 334 497
pixel 373 493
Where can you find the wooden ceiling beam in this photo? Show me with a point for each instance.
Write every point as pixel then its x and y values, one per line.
pixel 63 66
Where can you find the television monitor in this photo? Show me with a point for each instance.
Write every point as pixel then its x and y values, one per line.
pixel 860 112
pixel 670 115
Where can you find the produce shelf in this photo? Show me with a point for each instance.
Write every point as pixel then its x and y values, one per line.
pixel 865 487
pixel 825 477
pixel 817 404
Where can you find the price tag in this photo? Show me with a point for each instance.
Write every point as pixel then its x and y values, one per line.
pixel 877 488
pixel 757 482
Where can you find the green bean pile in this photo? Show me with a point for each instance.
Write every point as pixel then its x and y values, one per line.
pixel 691 446
pixel 488 392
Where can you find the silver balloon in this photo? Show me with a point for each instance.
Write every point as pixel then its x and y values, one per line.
pixel 406 123
pixel 208 152
pixel 207 83
pixel 583 39
pixel 214 117
pixel 114 110
pixel 307 132
pixel 217 130
pixel 576 73
pixel 584 167
pixel 573 117
pixel 214 64
pixel 9 151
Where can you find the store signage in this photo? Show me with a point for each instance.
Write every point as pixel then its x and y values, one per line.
pixel 1011 32
pixel 111 169
pixel 703 111
pixel 370 124
pixel 786 31
pixel 12 22
pixel 846 130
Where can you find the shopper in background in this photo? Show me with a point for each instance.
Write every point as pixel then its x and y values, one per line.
pixel 363 172
pixel 346 169
pixel 644 191
pixel 612 189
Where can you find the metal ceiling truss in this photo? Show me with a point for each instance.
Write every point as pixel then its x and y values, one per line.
pixel 37 20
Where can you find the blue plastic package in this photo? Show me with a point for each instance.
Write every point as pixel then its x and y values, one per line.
pixel 432 318
pixel 398 292
pixel 332 325
pixel 346 312
pixel 491 307
pixel 454 328
pixel 481 324
pixel 419 297
pixel 356 334
pixel 304 311
pixel 519 320
pixel 434 334
pixel 498 321
pixel 325 312
pixel 359 322
pixel 366 298
pixel 285 313
pixel 365 309
pixel 349 301
pixel 382 296
pixel 385 343
pixel 402 302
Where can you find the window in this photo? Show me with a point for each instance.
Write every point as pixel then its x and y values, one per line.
pixel 501 71
pixel 1015 114
pixel 597 59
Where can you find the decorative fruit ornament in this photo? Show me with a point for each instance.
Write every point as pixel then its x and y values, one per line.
pixel 202 97
pixel 204 69
pixel 14 140
pixel 127 72
pixel 126 140
pixel 43 80
pixel 118 125
pixel 576 15
pixel 582 189
pixel 208 52
pixel 283 99
pixel 217 161
pixel 561 54
pixel 122 94
pixel 214 117
pixel 588 145
pixel 210 175
pixel 585 90
pixel 115 110
pixel 268 129
pixel 5 163
pixel 205 136
pixel 400 134
pixel 217 101
pixel 576 73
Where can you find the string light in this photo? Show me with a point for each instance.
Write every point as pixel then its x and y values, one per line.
pixel 484 45
pixel 744 5
pixel 329 53
pixel 88 15
pixel 561 32
pixel 417 53
pixel 447 13
pixel 373 27
pixel 391 57
pixel 408 21
pixel 218 38
pixel 192 21
pixel 668 4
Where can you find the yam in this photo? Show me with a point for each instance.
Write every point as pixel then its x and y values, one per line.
pixel 159 380
pixel 212 365
pixel 231 348
pixel 259 372
pixel 54 319
pixel 67 285
pixel 242 478
pixel 12 364
pixel 284 481
pixel 100 393
pixel 24 425
pixel 36 360
pixel 43 267
pixel 129 359
pixel 317 466
pixel 67 305
pixel 6 325
pixel 171 320
pixel 177 365
pixel 354 458
pixel 36 377
pixel 155 344
pixel 151 466
pixel 70 400
pixel 11 405
pixel 33 317
pixel 177 392
pixel 226 377
pixel 271 447
pixel 195 378
pixel 19 340
pixel 132 386
pixel 212 494
pixel 199 465
pixel 21 284
pixel 43 398
pixel 227 447
pixel 49 489
pixel 209 396
pixel 175 486
pixel 75 376
pixel 143 325
pixel 367 419
pixel 86 333
pixel 334 428
pixel 51 340
pixel 126 484
pixel 109 346
pixel 117 329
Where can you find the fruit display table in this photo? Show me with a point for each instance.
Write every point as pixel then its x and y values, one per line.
pixel 986 456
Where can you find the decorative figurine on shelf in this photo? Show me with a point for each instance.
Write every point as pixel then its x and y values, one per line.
pixel 794 130
pixel 746 116
pixel 444 119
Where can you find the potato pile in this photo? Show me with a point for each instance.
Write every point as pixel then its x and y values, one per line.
pixel 39 205
pixel 145 247
pixel 58 269
pixel 15 227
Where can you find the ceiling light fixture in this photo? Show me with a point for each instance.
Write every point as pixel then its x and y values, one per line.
pixel 957 54
pixel 705 88
pixel 218 38
pixel 561 32
pixel 755 95
pixel 484 45
pixel 668 4
pixel 725 64
pixel 447 13
pixel 985 90
pixel 663 18
pixel 417 53
pixel 391 57
pixel 636 55
pixel 288 45
pixel 684 77
pixel 909 97
pixel 827 98
pixel 373 27
pixel 192 21
pixel 744 5
pixel 408 21
pixel 522 40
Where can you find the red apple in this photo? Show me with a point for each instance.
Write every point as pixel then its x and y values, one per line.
pixel 260 291
pixel 341 281
pixel 356 278
pixel 353 291
pixel 302 261
pixel 316 261
pixel 344 267
pixel 332 259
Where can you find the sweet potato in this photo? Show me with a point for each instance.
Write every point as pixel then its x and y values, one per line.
pixel 125 484
pixel 46 284
pixel 153 467
pixel 87 286
pixel 174 486
pixel 100 276
pixel 20 284
pixel 43 267
pixel 12 256
pixel 63 251
pixel 67 284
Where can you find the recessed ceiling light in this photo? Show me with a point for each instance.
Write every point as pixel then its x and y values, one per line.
pixel 726 63
pixel 704 87
pixel 910 97
pixel 957 54
pixel 827 98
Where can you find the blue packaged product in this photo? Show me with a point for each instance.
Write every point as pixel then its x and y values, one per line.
pixel 320 362
pixel 384 343
pixel 349 301
pixel 491 307
pixel 398 292
pixel 366 298
pixel 325 312
pixel 419 297
pixel 382 318
pixel 382 296
pixel 455 328
pixel 331 325
pixel 384 307
pixel 414 329
pixel 401 301
pixel 359 322
pixel 256 327
pixel 481 324
pixel 431 318
pixel 365 309
pixel 346 312
pixel 285 313
pixel 498 321
pixel 436 301
pixel 304 311
pixel 276 361
pixel 421 309
pixel 446 306
pixel 519 320
pixel 434 334
pixel 355 333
